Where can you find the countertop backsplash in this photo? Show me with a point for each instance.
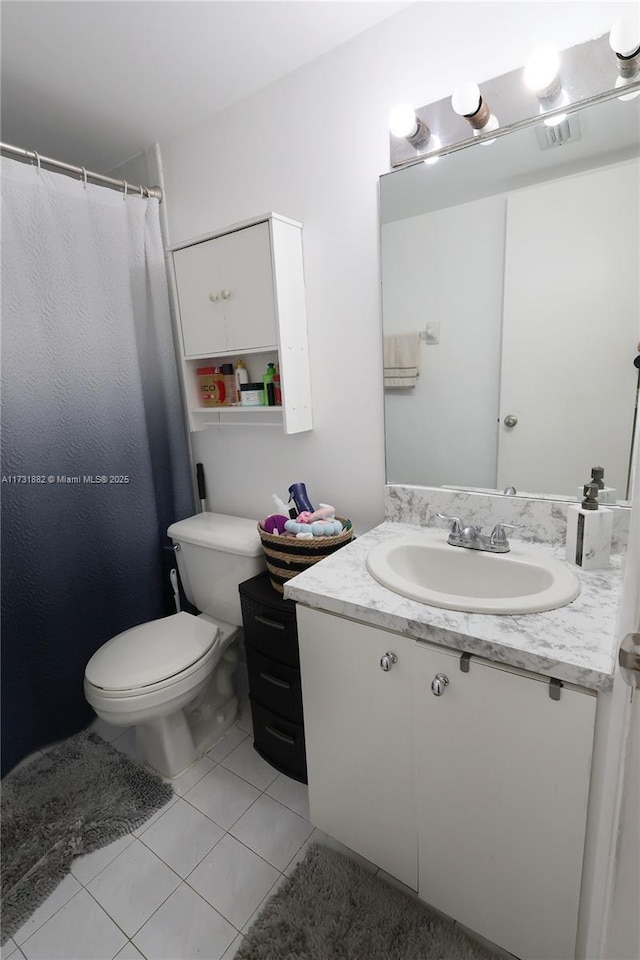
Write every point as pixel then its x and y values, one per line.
pixel 543 520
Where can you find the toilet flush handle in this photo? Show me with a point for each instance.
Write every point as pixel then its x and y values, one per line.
pixel 177 547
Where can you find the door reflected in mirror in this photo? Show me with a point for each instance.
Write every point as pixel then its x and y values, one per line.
pixel 518 266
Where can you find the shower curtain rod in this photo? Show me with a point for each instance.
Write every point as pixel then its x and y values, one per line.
pixel 84 174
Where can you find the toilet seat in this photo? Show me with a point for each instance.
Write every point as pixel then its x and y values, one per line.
pixel 153 655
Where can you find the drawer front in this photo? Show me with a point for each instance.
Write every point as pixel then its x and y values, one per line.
pixel 280 742
pixel 271 632
pixel 275 685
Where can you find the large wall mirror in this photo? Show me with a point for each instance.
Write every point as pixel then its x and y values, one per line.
pixel 518 265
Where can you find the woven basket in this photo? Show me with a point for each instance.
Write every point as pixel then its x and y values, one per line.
pixel 287 556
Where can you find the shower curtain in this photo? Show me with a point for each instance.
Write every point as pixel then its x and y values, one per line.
pixel 94 450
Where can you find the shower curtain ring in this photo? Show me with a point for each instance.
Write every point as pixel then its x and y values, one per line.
pixel 126 185
pixel 84 177
pixel 37 156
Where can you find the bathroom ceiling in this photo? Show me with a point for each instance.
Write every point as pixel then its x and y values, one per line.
pixel 95 83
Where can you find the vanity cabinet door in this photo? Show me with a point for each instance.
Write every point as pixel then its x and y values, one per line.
pixel 502 782
pixel 357 720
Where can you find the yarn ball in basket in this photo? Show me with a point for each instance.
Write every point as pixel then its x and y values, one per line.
pixel 275 523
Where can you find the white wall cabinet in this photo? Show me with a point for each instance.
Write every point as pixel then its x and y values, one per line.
pixel 488 782
pixel 358 739
pixel 240 294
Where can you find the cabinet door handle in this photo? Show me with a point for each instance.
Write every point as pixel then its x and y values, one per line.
pixel 280 736
pixel 275 681
pixel 439 684
pixel 214 297
pixel 268 623
pixel 226 294
pixel 388 660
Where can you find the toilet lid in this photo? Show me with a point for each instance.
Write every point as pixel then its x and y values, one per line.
pixel 151 652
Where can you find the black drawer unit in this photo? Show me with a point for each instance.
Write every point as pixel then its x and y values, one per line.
pixel 271 642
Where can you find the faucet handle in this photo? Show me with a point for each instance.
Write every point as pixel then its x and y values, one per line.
pixel 456 523
pixel 498 535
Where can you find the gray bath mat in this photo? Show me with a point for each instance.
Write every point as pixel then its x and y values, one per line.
pixel 333 909
pixel 79 796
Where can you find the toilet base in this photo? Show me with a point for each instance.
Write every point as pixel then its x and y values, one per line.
pixel 172 743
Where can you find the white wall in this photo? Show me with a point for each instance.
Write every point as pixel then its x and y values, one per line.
pixel 312 147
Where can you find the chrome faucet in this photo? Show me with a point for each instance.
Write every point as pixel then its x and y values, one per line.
pixel 472 538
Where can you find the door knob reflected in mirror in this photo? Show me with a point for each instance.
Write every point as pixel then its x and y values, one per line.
pixel 388 660
pixel 510 420
pixel 439 684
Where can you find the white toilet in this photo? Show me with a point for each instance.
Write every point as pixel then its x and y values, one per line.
pixel 172 678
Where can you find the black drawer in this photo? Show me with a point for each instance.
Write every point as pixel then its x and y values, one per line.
pixel 270 631
pixel 279 742
pixel 275 685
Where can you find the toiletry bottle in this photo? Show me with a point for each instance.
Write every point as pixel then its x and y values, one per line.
pixel 230 389
pixel 605 494
pixel 298 493
pixel 589 529
pixel 242 376
pixel 267 380
pixel 277 390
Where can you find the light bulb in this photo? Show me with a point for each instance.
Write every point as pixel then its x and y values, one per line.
pixel 466 99
pixel 624 38
pixel 541 71
pixel 403 121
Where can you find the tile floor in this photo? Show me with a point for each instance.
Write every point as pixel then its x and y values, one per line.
pixel 189 882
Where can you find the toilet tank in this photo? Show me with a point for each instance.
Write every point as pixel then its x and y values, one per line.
pixel 216 553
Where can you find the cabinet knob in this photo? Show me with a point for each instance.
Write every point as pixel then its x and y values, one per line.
pixel 439 684
pixel 388 660
pixel 225 294
pixel 214 297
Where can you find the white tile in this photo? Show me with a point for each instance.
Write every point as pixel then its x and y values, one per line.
pixel 65 890
pixel 233 739
pixel 133 886
pixel 393 882
pixel 231 951
pixel 89 865
pixel 256 913
pixel 222 796
pixel 233 879
pixel 107 731
pixel 185 926
pixel 182 837
pixel 156 816
pixel 8 950
pixel 79 931
pixel 319 837
pixel 293 794
pixel 272 831
pixel 126 743
pixel 190 777
pixel 129 952
pixel 246 763
pixel 245 720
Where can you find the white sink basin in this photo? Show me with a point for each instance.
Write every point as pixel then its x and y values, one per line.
pixel 426 568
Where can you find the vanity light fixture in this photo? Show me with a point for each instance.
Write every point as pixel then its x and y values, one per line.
pixel 624 40
pixel 468 102
pixel 403 122
pixel 542 77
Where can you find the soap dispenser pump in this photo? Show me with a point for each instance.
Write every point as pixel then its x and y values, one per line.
pixel 589 529
pixel 605 494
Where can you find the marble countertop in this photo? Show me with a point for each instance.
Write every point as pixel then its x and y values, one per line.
pixel 575 643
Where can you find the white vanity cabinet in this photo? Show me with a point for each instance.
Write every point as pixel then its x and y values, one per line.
pixel 358 738
pixel 502 782
pixel 485 776
pixel 239 294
